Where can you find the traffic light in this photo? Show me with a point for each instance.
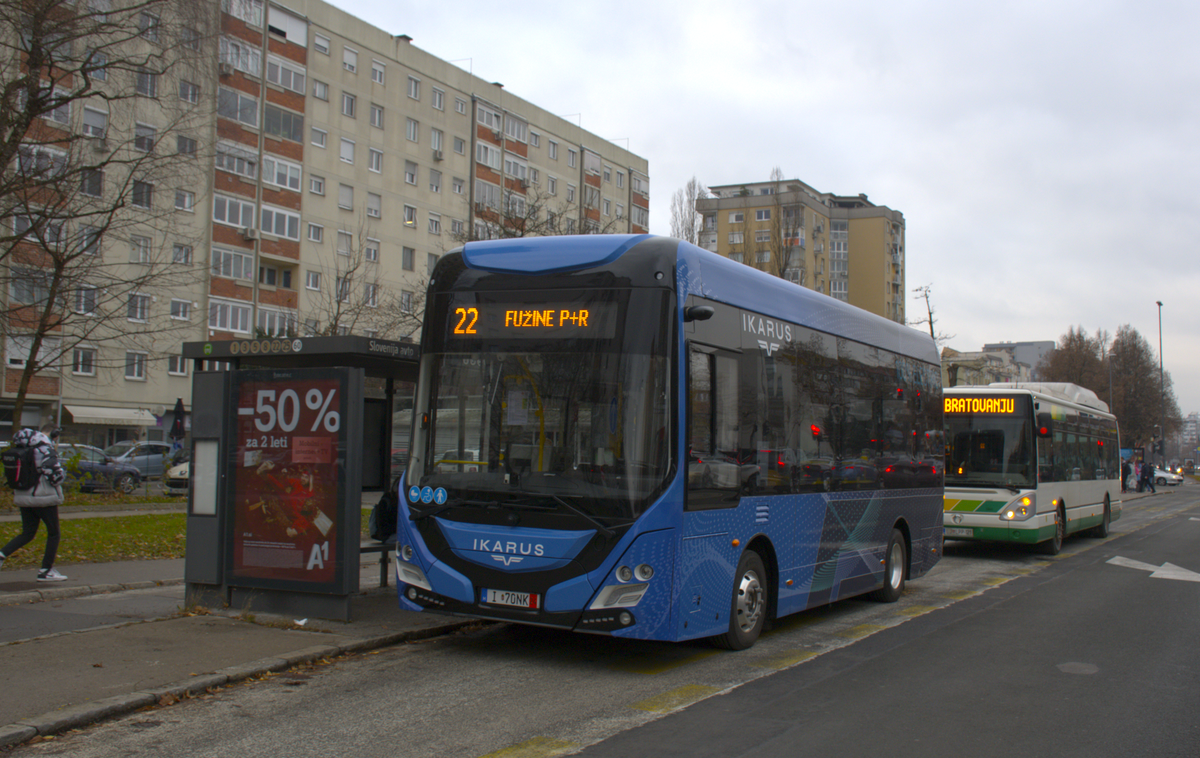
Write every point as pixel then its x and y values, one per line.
pixel 816 432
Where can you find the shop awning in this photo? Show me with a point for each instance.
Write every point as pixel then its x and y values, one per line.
pixel 87 414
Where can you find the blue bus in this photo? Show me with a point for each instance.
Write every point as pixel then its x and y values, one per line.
pixel 629 435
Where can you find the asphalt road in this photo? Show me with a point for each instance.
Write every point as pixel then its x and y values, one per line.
pixel 998 651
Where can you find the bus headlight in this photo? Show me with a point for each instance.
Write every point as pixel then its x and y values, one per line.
pixel 1019 510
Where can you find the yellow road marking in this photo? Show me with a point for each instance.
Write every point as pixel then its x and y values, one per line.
pixel 918 610
pixel 676 698
pixel 538 747
pixel 658 663
pixel 860 631
pixel 784 660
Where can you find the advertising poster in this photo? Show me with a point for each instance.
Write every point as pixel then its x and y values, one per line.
pixel 286 477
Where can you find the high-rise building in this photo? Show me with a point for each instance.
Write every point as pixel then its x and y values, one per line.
pixel 337 164
pixel 845 247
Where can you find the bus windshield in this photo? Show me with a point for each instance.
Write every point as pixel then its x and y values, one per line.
pixel 992 449
pixel 572 425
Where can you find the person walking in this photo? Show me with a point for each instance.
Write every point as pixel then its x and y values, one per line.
pixel 1125 472
pixel 39 503
pixel 1148 478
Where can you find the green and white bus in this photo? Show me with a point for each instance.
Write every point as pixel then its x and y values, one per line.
pixel 1030 463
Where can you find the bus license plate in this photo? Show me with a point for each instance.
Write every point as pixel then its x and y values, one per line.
pixel 958 531
pixel 513 599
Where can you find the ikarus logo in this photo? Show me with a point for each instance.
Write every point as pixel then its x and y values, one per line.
pixel 764 327
pixel 509 552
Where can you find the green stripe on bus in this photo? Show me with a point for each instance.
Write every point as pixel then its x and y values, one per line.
pixel 974 506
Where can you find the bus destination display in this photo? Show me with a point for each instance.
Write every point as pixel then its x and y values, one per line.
pixel 520 321
pixel 998 405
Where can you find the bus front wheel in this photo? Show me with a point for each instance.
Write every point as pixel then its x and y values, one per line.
pixel 1055 543
pixel 748 606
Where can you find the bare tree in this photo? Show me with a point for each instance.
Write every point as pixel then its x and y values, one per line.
pixel 100 142
pixel 784 227
pixel 925 292
pixel 686 221
pixel 533 213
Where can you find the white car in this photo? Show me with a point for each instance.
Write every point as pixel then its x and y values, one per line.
pixel 1162 476
pixel 176 480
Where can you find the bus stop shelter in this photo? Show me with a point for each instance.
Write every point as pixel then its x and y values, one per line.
pixel 287 435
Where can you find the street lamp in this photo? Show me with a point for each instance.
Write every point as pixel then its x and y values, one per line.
pixel 1162 392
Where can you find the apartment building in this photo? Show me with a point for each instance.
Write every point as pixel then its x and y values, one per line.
pixel 846 247
pixel 339 162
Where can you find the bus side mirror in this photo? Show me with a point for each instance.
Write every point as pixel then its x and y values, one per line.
pixel 698 313
pixel 1045 427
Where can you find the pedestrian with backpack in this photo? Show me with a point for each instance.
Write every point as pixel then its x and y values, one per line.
pixel 32 469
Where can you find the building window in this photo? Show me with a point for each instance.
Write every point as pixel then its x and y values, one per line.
pixel 375 160
pixel 91 182
pixel 374 205
pixel 371 250
pixel 763 214
pixel 736 217
pixel 350 60
pixel 184 145
pixel 316 185
pixel 438 99
pixel 345 243
pixel 371 295
pixel 319 137
pixel 312 280
pixel 377 71
pixel 349 104
pixel 460 146
pixel 377 116
pixel 459 185
pixel 320 90
pixel 147 83
pixel 143 194
pixel 460 105
pixel 280 222
pixel 144 138
pixel 189 92
pixel 138 308
pixel 250 11
pixel 281 173
pixel 345 197
pixel 241 55
pixel 285 74
pixel 410 216
pixel 139 249
pixel 95 123
pixel 551 185
pixel 84 361
pixel 316 233
pixel 410 172
pixel 232 264
pixel 284 124
pixel 342 289
pixel 181 254
pixel 277 323
pixel 435 223
pixel 237 106
pixel 236 160
pixel 321 44
pixel 435 181
pixel 85 300
pixel 176 365
pixel 407 257
pixel 347 152
pixel 553 150
pixel 181 310
pixel 232 211
pixel 228 315
pixel 413 130
pixel 185 200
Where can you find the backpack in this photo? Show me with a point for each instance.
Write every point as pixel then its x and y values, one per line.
pixel 20 466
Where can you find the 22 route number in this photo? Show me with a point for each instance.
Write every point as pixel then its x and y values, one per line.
pixel 467 318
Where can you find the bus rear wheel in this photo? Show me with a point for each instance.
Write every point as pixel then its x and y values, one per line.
pixel 748 606
pixel 1053 545
pixel 894 566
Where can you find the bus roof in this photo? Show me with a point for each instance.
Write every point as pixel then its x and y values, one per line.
pixel 1065 391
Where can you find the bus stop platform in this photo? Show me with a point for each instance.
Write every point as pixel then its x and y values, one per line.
pixel 116 638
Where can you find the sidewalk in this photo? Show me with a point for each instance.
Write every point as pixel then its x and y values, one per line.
pixel 137 648
pixel 145 650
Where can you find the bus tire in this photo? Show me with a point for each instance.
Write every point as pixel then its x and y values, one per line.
pixel 1101 529
pixel 748 605
pixel 895 566
pixel 1053 545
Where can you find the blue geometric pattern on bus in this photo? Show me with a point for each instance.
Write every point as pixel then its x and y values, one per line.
pixel 826 545
pixel 548 255
pixel 512 548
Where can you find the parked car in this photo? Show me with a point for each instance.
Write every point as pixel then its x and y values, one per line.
pixel 94 469
pixel 1162 476
pixel 175 481
pixel 148 457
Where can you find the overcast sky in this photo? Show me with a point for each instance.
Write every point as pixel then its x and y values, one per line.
pixel 1044 154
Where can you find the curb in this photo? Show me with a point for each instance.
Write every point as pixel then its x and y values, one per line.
pixel 81 715
pixel 63 593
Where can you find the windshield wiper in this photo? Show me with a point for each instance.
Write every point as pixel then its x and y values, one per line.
pixel 603 529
